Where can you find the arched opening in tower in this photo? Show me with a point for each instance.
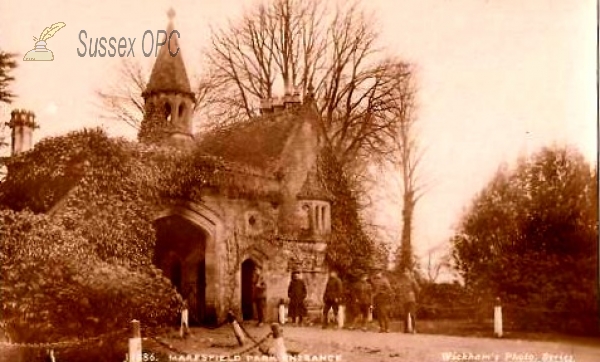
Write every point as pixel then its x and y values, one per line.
pixel 168 111
pixel 180 253
pixel 181 110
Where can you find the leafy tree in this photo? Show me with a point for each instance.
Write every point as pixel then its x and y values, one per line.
pixel 7 64
pixel 531 237
pixel 352 250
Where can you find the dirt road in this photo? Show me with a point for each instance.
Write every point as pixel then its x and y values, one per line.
pixel 348 345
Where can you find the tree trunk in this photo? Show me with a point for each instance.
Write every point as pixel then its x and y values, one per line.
pixel 406 253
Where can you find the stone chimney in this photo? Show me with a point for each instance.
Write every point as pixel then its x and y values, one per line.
pixel 278 104
pixel 292 98
pixel 22 124
pixel 266 106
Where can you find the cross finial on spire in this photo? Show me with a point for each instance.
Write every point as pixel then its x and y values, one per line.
pixel 171 14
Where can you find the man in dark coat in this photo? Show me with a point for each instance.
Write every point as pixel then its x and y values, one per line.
pixel 260 296
pixel 382 297
pixel 334 293
pixel 363 299
pixel 409 290
pixel 297 294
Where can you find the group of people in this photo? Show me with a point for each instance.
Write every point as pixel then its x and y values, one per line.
pixel 366 296
pixel 372 296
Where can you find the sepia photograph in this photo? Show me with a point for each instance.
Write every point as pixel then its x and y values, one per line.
pixel 299 180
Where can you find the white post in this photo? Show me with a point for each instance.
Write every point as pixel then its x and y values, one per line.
pixel 51 356
pixel 341 316
pixel 135 343
pixel 282 314
pixel 237 330
pixel 279 349
pixel 498 319
pixel 409 325
pixel 370 316
pixel 184 323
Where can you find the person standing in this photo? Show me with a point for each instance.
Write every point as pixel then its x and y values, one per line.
pixel 334 292
pixel 259 294
pixel 409 289
pixel 382 296
pixel 363 300
pixel 297 293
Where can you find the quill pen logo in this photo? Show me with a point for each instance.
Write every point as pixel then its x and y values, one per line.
pixel 40 52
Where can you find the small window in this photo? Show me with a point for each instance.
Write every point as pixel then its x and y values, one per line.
pixel 318 225
pixel 253 223
pixel 168 111
pixel 181 110
pixel 305 223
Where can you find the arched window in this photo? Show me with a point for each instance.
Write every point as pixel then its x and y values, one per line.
pixel 168 111
pixel 317 218
pixel 181 110
pixel 306 220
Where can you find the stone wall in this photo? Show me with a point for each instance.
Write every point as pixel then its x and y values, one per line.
pixel 248 231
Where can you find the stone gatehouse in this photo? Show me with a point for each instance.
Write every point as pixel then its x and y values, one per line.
pixel 278 219
pixel 211 249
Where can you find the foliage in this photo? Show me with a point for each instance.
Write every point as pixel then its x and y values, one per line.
pixel 7 64
pixel 77 235
pixel 444 301
pixel 530 237
pixel 350 251
pixel 56 288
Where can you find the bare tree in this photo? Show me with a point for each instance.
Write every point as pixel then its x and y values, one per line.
pixel 307 45
pixel 436 267
pixel 408 158
pixel 123 101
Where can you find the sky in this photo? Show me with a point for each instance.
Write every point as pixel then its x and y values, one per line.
pixel 497 79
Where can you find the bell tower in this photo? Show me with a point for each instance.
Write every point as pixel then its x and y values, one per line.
pixel 168 98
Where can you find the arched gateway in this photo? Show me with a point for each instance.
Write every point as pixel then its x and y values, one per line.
pixel 185 252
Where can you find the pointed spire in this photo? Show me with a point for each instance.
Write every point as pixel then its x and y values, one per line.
pixel 174 43
pixel 168 73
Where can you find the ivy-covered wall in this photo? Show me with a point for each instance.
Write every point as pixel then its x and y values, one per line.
pixel 108 192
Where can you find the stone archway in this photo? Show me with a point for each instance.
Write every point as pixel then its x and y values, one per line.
pixel 185 239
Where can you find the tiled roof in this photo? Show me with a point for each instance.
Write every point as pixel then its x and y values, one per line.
pixel 168 73
pixel 258 142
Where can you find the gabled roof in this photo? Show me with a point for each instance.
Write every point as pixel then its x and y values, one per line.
pixel 168 73
pixel 258 142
